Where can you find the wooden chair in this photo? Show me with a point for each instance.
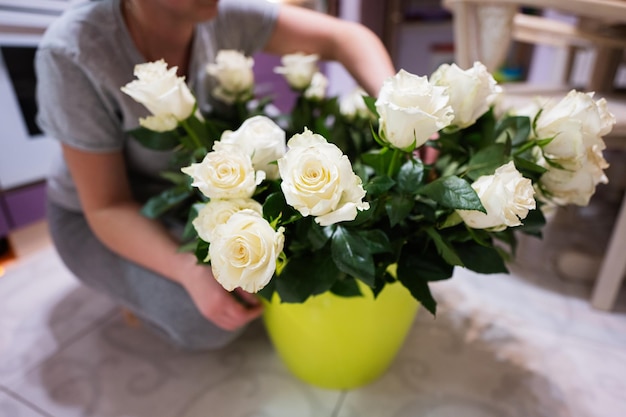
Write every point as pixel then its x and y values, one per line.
pixel 483 31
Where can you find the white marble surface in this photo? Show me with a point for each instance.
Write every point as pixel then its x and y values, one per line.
pixel 521 345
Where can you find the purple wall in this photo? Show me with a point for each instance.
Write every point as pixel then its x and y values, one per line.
pixel 4 223
pixel 268 82
pixel 22 206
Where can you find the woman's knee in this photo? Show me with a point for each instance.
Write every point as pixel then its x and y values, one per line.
pixel 163 304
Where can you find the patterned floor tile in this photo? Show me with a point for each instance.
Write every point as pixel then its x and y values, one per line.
pixel 521 345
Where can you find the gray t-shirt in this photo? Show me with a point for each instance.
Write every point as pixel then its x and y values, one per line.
pixel 87 55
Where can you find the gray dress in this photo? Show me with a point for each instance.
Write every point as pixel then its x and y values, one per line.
pixel 83 60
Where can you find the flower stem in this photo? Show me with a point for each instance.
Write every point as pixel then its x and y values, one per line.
pixel 397 153
pixel 241 111
pixel 192 134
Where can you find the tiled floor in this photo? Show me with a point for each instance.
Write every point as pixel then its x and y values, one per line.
pixel 519 345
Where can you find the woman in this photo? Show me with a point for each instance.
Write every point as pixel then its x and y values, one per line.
pixel 95 192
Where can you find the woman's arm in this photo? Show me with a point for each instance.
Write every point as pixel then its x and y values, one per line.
pixel 116 220
pixel 357 48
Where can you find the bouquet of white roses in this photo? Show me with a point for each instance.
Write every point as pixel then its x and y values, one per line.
pixel 335 192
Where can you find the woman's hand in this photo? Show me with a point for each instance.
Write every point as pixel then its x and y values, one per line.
pixel 116 219
pixel 227 310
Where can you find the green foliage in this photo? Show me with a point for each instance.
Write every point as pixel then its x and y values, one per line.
pixel 352 255
pixel 411 226
pixel 167 201
pixel 298 280
pixel 157 141
pixel 453 193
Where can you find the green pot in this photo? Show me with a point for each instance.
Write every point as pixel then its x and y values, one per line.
pixel 341 342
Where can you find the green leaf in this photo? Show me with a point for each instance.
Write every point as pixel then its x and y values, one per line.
pixel 320 127
pixel 158 141
pixel 453 192
pixel 304 276
pixel 526 147
pixel 379 160
pixel 382 279
pixel 420 291
pixel 416 268
pixel 318 235
pixel 518 127
pixel 410 176
pixel 340 137
pixel 364 216
pixel 398 207
pixel 187 247
pixel 202 251
pixel 481 259
pixel 201 131
pixel 346 287
pixel 167 200
pixel 276 207
pixel 301 116
pixel 444 248
pixel 425 262
pixel 451 221
pixel 379 185
pixel 529 169
pixel 190 231
pixel 448 144
pixel 215 127
pixel 377 138
pixel 376 240
pixel 480 236
pixel 268 291
pixel 536 119
pixel 177 178
pixel 370 102
pixel 545 142
pixel 508 237
pixel 533 223
pixel 352 255
pixel 487 160
pixel 486 123
pixel 424 210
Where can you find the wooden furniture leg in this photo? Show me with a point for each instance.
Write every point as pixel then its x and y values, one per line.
pixel 604 69
pixel 613 266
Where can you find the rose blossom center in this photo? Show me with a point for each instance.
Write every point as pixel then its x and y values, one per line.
pixel 314 175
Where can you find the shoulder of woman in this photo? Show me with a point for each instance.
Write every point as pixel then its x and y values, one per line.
pixel 80 23
pixel 227 7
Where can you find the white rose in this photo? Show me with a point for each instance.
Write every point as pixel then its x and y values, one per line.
pixel 244 250
pixel 576 122
pixel 411 110
pixel 217 212
pixel 317 88
pixel 607 119
pixel 161 123
pixel 352 105
pixel 530 108
pixel 318 180
pixel 575 185
pixel 568 141
pixel 471 92
pixel 161 91
pixel 234 73
pixel 298 69
pixel 507 196
pixel 260 137
pixel 225 173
